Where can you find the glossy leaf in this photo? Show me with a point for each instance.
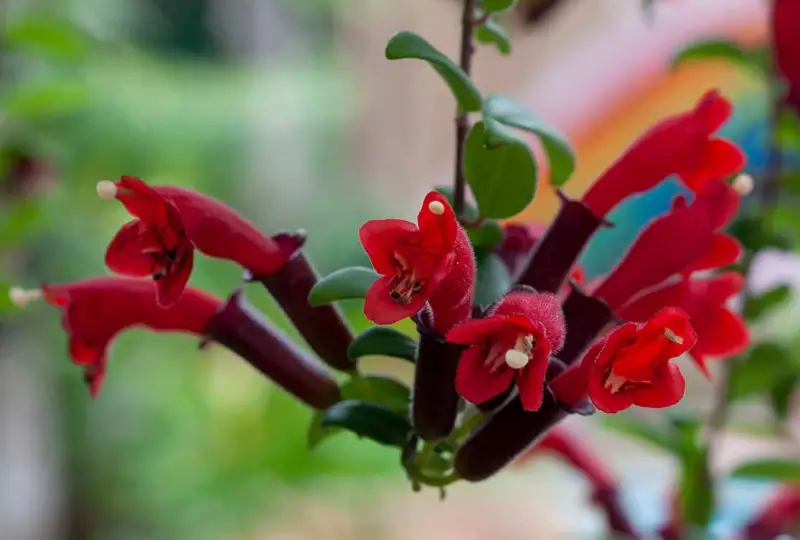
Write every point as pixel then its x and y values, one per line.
pixel 493 279
pixel 55 38
pixel 379 389
pixel 351 282
pixel 383 341
pixel 496 6
pixel 776 469
pixel 370 420
pixel 410 45
pixel 317 432
pixel 491 33
pixel 486 235
pixel 720 49
pixel 762 370
pixel 756 306
pixel 642 430
pixel 502 110
pixel 503 179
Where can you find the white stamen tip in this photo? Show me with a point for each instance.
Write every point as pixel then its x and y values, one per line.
pixel 20 297
pixel 672 336
pixel 743 184
pixel 516 359
pixel 106 190
pixel 436 207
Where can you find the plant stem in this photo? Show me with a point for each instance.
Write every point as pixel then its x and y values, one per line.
pixel 462 125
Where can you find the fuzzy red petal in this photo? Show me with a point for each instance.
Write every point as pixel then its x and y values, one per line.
pixel 476 382
pixel 602 398
pixel 381 309
pixel 438 231
pixel 666 389
pixel 542 309
pixel 380 238
pixel 478 331
pixel 451 300
pixel 530 380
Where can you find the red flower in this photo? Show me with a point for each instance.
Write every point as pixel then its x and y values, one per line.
pixel 514 343
pixel 414 261
pixel 96 310
pixel 170 222
pixel 682 144
pixel 720 332
pixel 785 29
pixel 632 365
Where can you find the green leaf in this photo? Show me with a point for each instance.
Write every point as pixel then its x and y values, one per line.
pixel 780 395
pixel 642 431
pixel 18 221
pixel 503 179
pixel 383 341
pixel 764 368
pixel 410 45
pixel 42 99
pixel 493 280
pixel 509 112
pixel 776 469
pixel 379 389
pixel 351 282
pixel 496 6
pixel 376 422
pixel 470 210
pixel 756 306
pixel 317 432
pixel 696 488
pixel 58 39
pixel 491 33
pixel 754 234
pixel 720 49
pixel 486 235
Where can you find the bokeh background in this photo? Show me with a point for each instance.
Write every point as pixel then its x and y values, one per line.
pixel 288 111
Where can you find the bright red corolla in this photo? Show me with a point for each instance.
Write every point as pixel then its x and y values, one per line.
pixel 170 222
pixel 720 332
pixel 431 262
pixel 786 46
pixel 683 144
pixel 96 310
pixel 513 343
pixel 632 365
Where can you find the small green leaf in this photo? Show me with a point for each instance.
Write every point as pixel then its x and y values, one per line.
pixel 317 432
pixel 33 100
pixel 58 39
pixel 643 431
pixel 376 422
pixel 491 33
pixel 503 179
pixel 777 470
pixel 493 280
pixel 470 210
pixel 383 341
pixel 720 49
pixel 763 369
pixel 496 6
pixel 756 306
pixel 410 45
pixel 509 112
pixel 379 389
pixel 351 282
pixel 486 235
pixel 780 395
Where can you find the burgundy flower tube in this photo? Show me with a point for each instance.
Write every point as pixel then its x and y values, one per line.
pixel 785 22
pixel 586 317
pixel 171 222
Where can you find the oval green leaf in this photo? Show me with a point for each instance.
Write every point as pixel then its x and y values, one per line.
pixel 764 368
pixel 55 38
pixel 351 282
pixel 370 420
pixel 379 389
pixel 491 33
pixel 496 6
pixel 493 280
pixel 384 341
pixel 716 49
pixel 501 110
pixel 486 235
pixel 410 45
pixel 757 306
pixel 503 178
pixel 777 470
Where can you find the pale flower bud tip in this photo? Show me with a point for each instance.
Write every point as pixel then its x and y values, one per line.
pixel 743 184
pixel 106 190
pixel 436 207
pixel 20 297
pixel 516 359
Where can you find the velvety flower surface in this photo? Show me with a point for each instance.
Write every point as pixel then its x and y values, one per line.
pixel 683 144
pixel 632 365
pixel 785 29
pixel 414 261
pixel 170 222
pixel 720 332
pixel 512 344
pixel 96 310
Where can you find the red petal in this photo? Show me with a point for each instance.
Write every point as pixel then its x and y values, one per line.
pixel 477 331
pixel 666 389
pixel 541 309
pixel 713 110
pixel 720 159
pixel 475 382
pixel 95 375
pixel 724 251
pixel 141 200
pixel 717 289
pixel 530 381
pixel 615 341
pixel 171 286
pixel 438 230
pixel 83 353
pixel 380 238
pixel 602 398
pixel 641 308
pixel 721 333
pixel 720 201
pixel 381 309
pixel 127 252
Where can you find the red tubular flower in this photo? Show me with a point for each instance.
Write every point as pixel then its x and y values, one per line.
pixel 720 332
pixel 682 144
pixel 170 222
pixel 786 46
pixel 514 343
pixel 631 366
pixel 428 262
pixel 96 310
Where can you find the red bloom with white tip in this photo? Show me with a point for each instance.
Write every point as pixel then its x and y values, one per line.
pixel 720 332
pixel 633 364
pixel 170 222
pixel 683 144
pixel 96 310
pixel 513 344
pixel 414 261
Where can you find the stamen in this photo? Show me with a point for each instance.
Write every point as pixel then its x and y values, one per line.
pixel 20 297
pixel 614 382
pixel 516 359
pixel 436 207
pixel 672 336
pixel 743 184
pixel 106 189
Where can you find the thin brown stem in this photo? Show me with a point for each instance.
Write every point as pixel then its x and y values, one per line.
pixel 462 123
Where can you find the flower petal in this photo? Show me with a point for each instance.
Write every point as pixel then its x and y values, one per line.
pixel 128 254
pixel 721 333
pixel 141 200
pixel 602 398
pixel 530 381
pixel 724 251
pixel 666 389
pixel 438 231
pixel 380 238
pixel 381 309
pixel 475 381
pixel 477 331
pixel 170 287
